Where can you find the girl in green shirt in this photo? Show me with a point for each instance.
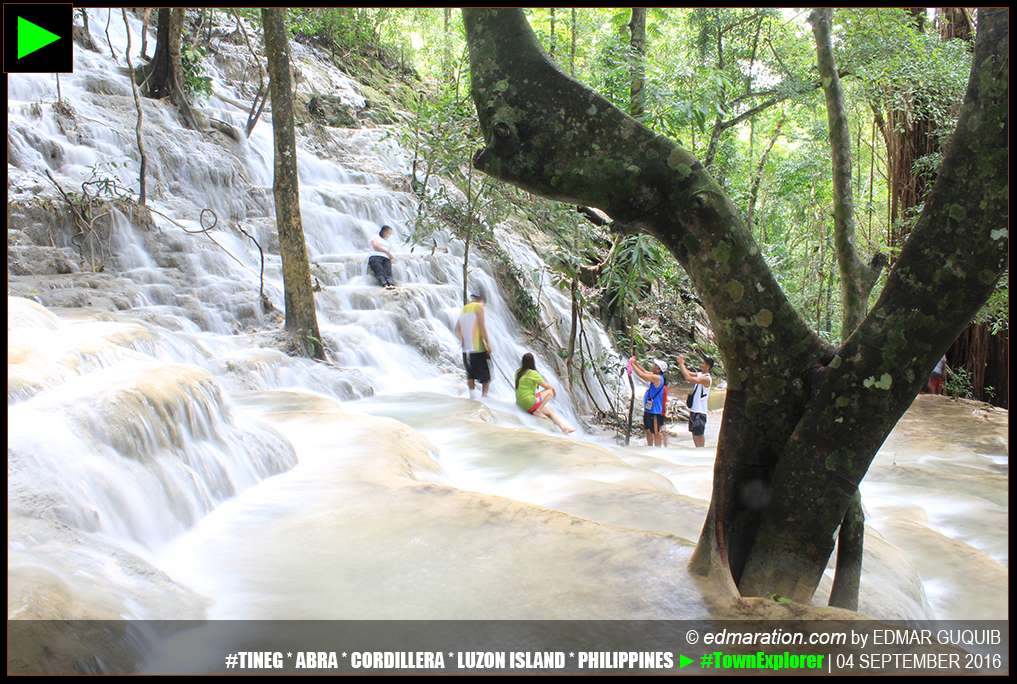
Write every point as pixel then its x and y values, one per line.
pixel 532 400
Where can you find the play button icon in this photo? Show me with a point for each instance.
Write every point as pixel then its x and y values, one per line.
pixel 32 37
pixel 37 39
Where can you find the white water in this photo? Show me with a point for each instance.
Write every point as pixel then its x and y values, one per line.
pixel 163 461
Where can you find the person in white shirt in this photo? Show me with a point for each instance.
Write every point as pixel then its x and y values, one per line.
pixel 380 259
pixel 700 396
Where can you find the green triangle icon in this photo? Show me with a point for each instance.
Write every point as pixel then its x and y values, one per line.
pixel 683 661
pixel 32 37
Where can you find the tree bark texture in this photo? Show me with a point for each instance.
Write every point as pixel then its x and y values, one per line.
pixel 142 191
pixel 158 75
pixel 301 318
pixel 856 282
pixel 637 43
pixel 802 419
pixel 850 549
pixel 164 76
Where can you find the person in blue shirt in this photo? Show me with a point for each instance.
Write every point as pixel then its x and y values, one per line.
pixel 653 400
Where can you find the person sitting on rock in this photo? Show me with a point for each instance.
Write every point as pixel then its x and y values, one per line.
pixel 529 399
pixel 380 259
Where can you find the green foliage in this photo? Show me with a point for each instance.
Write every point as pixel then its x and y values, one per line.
pixel 442 136
pixel 996 312
pixel 959 383
pixel 524 304
pixel 703 67
pixel 628 275
pixel 103 184
pixel 630 339
pixel 312 345
pixel 904 68
pixel 196 83
pixel 337 28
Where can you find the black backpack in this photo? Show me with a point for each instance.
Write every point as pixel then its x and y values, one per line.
pixel 692 395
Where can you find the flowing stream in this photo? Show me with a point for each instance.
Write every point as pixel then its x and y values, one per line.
pixel 167 460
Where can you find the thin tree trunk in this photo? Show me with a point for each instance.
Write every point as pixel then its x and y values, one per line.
pixel 469 234
pixel 718 128
pixel 632 402
pixel 301 318
pixel 572 51
pixel 142 193
pixel 637 44
pixel 575 301
pixel 551 51
pixel 262 96
pixel 856 278
pixel 758 178
pixel 446 48
pixel 850 546
pixel 632 386
pixel 164 75
pixel 145 17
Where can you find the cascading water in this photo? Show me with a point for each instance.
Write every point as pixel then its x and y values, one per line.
pixel 165 460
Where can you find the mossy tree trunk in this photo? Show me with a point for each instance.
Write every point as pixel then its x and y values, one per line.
pixel 301 319
pixel 802 419
pixel 856 282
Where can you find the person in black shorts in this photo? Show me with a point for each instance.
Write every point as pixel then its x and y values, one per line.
pixel 653 401
pixel 700 396
pixel 471 329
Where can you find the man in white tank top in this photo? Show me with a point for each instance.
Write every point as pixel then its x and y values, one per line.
pixel 700 397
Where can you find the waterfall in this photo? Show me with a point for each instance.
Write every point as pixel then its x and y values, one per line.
pixel 168 459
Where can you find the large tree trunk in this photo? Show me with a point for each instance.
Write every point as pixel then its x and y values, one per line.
pixel 164 76
pixel 301 319
pixel 158 72
pixel 802 420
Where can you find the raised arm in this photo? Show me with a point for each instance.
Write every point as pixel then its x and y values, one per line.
pixel 644 374
pixel 689 377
